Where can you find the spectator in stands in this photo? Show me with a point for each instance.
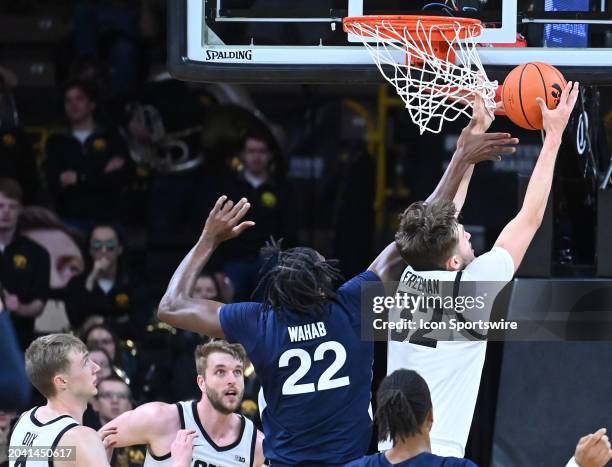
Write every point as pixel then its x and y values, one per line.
pixel 206 287
pixel 111 28
pixel 107 289
pixel 24 266
pixel 101 358
pixel 16 156
pixel 114 398
pixel 271 210
pixel 15 388
pixel 101 336
pixel 88 167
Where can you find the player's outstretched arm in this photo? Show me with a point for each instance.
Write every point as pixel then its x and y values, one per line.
pixel 143 425
pixel 593 450
pixel 486 146
pixel 519 232
pixel 88 448
pixel 474 145
pixel 177 308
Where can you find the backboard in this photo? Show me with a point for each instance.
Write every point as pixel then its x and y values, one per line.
pixel 302 41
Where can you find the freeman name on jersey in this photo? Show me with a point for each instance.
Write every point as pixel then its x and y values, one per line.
pixel 416 282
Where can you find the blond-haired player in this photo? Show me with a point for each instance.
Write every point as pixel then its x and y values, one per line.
pixel 222 437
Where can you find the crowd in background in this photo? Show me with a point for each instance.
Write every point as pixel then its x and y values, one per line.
pixel 69 210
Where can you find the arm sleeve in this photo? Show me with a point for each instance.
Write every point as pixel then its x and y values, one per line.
pixel 14 385
pixel 240 323
pixel 495 265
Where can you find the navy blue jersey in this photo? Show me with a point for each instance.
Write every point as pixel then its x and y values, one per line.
pixel 425 459
pixel 316 374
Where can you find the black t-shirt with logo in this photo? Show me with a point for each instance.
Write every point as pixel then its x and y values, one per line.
pixel 25 269
pixel 126 307
pixel 272 209
pixel 17 161
pixel 96 195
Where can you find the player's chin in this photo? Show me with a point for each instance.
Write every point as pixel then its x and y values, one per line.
pixel 231 402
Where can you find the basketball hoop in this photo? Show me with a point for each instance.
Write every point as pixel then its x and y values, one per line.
pixel 441 71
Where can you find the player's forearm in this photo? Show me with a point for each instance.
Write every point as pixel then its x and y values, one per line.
pixel 184 277
pixel 461 194
pixel 450 181
pixel 538 189
pixel 128 431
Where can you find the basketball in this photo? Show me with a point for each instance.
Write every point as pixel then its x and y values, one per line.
pixel 521 88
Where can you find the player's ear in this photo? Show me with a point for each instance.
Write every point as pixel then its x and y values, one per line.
pixel 453 263
pixel 60 381
pixel 429 419
pixel 200 381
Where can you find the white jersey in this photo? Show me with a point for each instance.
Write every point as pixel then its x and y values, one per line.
pixel 30 432
pixel 206 453
pixel 451 368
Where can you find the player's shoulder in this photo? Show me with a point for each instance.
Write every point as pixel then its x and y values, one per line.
pixel 160 412
pixel 243 307
pixel 88 446
pixel 354 285
pixel 159 417
pixel 79 435
pixel 495 265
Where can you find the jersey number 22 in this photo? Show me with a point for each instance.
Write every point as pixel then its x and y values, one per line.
pixel 326 380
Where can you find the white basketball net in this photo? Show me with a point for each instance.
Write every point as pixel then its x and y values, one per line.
pixel 433 89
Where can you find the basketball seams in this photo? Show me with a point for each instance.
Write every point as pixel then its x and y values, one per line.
pixel 543 83
pixel 520 93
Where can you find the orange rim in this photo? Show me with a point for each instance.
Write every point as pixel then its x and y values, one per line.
pixel 392 26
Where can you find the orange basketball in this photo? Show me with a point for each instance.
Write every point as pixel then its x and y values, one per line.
pixel 523 85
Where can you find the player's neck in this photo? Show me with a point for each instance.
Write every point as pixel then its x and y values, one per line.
pixel 63 405
pixel 217 424
pixel 407 449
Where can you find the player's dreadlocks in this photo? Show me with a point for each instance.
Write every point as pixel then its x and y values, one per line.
pixel 403 403
pixel 300 280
